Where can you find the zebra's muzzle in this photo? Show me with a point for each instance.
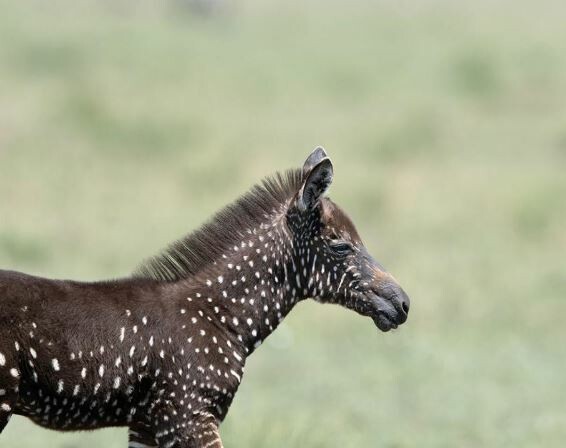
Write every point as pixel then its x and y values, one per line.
pixel 389 312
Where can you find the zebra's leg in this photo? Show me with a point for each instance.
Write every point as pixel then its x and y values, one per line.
pixel 9 382
pixel 200 432
pixel 141 435
pixel 7 403
pixel 207 437
pixel 205 431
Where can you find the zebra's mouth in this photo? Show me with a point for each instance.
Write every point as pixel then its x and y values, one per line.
pixel 384 313
pixel 384 323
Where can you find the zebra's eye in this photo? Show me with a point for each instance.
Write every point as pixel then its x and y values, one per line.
pixel 341 247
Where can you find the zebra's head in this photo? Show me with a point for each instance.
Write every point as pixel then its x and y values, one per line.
pixel 329 259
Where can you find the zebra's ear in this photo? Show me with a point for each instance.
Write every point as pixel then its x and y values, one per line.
pixel 317 181
pixel 315 157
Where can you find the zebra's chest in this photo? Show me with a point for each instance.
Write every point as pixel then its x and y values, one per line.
pixel 128 370
pixel 61 411
pixel 82 393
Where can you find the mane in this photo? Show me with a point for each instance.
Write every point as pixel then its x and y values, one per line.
pixel 190 254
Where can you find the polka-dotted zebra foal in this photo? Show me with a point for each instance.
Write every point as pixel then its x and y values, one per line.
pixel 163 352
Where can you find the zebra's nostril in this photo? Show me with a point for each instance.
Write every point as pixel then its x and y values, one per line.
pixel 405 306
pixel 405 302
pixel 401 301
pixel 397 296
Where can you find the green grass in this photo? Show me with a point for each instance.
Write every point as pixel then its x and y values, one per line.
pixel 122 128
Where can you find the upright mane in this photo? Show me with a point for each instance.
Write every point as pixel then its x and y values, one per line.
pixel 188 255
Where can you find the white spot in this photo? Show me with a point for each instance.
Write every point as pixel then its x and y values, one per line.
pixel 6 407
pixel 2 359
pixel 117 382
pixel 83 372
pixel 60 386
pixel 122 333
pixel 55 364
pixel 14 373
pixel 220 279
pixel 101 370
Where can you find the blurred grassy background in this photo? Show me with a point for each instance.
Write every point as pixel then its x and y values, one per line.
pixel 125 125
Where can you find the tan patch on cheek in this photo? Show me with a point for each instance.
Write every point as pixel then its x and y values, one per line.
pixel 326 215
pixel 334 218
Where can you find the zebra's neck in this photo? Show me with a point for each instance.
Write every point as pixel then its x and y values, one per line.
pixel 251 288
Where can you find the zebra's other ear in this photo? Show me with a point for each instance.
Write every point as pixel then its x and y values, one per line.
pixel 317 181
pixel 314 159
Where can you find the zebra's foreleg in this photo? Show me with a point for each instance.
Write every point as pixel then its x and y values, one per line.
pixel 202 432
pixel 205 433
pixel 6 408
pixel 141 436
pixel 9 383
pixel 209 438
